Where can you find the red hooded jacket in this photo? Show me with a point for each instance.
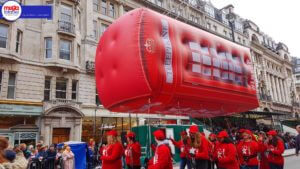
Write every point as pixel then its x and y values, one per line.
pixel 133 154
pixel 202 152
pixel 226 156
pixel 162 158
pixel 184 149
pixel 111 158
pixel 275 155
pixel 263 163
pixel 249 149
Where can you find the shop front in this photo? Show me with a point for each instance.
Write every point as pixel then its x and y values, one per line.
pixel 19 123
pixel 97 121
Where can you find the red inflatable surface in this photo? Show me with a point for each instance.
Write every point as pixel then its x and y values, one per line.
pixel 148 62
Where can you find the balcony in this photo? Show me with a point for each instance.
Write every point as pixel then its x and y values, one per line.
pixel 60 102
pixel 66 28
pixel 90 66
pixel 264 97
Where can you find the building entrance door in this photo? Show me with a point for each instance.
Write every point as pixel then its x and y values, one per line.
pixel 60 135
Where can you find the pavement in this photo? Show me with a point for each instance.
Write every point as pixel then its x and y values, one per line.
pixel 291 161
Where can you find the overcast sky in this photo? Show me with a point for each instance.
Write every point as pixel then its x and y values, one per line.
pixel 280 19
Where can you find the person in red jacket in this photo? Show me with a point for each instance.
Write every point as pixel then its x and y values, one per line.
pixel 183 146
pixel 112 153
pixel 162 157
pixel 225 153
pixel 199 149
pixel 132 152
pixel 247 151
pixel 275 149
pixel 262 141
pixel 212 138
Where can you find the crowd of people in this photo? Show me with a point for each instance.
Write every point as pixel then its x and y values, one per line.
pixel 243 149
pixel 41 157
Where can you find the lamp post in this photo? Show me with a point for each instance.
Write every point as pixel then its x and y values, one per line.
pixel 231 19
pixel 95 120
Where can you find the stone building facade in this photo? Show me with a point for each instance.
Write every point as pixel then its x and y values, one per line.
pixel 47 86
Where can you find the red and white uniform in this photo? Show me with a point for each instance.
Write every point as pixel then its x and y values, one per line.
pixel 111 158
pixel 226 156
pixel 184 148
pixel 162 158
pixel 263 163
pixel 275 155
pixel 133 154
pixel 249 149
pixel 202 153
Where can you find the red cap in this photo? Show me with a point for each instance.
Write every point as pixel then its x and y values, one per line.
pixel 194 129
pixel 130 134
pixel 212 135
pixel 183 133
pixel 248 132
pixel 223 134
pixel 112 133
pixel 241 130
pixel 272 133
pixel 159 135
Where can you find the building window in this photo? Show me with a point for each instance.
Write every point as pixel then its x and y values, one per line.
pixel 66 13
pixel 225 32
pixel 1 74
pixel 78 54
pixel 65 49
pixel 11 85
pixel 79 20
pixel 74 89
pixel 103 7
pixel 298 77
pixel 239 39
pixel 19 41
pixel 95 29
pixel 96 5
pixel 215 28
pixel 103 28
pixel 192 17
pixel 3 35
pixel 66 20
pixel 48 47
pixel 47 88
pixel 230 35
pixel 210 10
pixel 61 88
pixel 244 42
pixel 208 26
pixel 111 10
pixel 159 2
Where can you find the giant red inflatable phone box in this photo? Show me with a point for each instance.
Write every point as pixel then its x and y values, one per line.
pixel 147 62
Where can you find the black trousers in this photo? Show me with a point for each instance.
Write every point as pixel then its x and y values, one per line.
pixel 201 164
pixel 210 164
pixel 133 167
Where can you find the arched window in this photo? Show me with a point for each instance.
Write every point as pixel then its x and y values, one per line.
pixel 286 57
pixel 254 38
pixel 266 110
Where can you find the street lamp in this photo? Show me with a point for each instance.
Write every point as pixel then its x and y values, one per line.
pixel 231 18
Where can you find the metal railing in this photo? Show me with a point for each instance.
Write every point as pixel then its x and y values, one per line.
pixel 67 27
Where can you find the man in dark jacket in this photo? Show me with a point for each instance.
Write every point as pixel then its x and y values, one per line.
pixel 25 151
pixel 51 155
pixel 298 140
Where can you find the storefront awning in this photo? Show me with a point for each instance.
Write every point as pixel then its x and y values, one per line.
pixel 21 110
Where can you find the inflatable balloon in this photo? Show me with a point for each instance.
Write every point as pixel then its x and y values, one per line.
pixel 149 63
